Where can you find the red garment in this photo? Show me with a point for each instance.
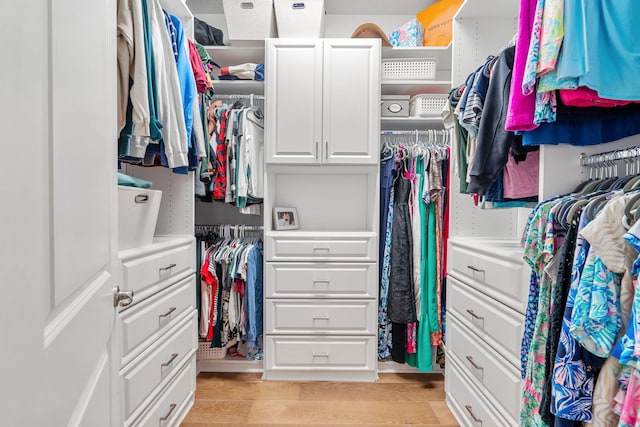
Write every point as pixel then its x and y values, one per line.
pixel 220 166
pixel 213 310
pixel 585 97
pixel 412 343
pixel 202 82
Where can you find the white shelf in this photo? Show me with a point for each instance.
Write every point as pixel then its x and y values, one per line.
pixel 376 7
pixel 441 53
pixel 413 87
pixel 488 9
pixel 234 55
pixel 238 87
pixel 319 234
pixel 410 123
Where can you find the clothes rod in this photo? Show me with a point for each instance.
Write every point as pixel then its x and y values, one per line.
pixel 414 132
pixel 251 96
pixel 609 157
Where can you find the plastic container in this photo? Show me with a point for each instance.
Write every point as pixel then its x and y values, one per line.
pixel 137 216
pixel 427 105
pixel 304 19
pixel 408 69
pixel 249 22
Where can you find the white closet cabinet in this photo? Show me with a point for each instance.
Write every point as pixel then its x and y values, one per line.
pixel 323 97
pixel 321 278
pixel 487 284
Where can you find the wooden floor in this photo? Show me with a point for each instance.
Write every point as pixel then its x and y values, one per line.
pixel 224 399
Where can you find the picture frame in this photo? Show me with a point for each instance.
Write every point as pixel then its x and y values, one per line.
pixel 285 219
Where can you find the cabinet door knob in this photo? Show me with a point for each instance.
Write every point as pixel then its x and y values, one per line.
pixel 122 298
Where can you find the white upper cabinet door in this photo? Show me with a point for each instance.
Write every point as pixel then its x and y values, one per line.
pixel 293 108
pixel 63 227
pixel 351 99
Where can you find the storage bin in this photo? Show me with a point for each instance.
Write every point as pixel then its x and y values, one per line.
pixel 394 106
pixel 300 18
pixel 408 69
pixel 249 22
pixel 137 216
pixel 427 105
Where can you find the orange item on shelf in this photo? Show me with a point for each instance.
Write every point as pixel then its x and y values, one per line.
pixel 437 21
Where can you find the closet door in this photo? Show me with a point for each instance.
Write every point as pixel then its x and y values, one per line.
pixel 351 126
pixel 293 100
pixel 59 213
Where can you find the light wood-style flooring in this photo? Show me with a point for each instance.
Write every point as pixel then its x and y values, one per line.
pixel 227 399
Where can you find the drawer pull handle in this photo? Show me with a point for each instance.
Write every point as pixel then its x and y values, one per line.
pixel 320 317
pixel 473 363
pixel 172 407
pixel 174 356
pixel 168 313
pixel 141 198
pixel 320 354
pixel 168 267
pixel 476 269
pixel 474 315
pixel 322 282
pixel 321 249
pixel 473 417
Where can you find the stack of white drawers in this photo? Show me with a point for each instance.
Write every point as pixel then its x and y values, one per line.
pixel 321 307
pixel 487 291
pixel 158 333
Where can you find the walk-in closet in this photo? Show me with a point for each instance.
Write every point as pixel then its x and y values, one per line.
pixel 321 212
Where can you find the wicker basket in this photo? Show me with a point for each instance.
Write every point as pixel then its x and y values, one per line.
pixel 408 69
pixel 427 105
pixel 206 352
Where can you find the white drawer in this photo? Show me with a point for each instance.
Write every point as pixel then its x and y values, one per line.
pixel 143 323
pixel 174 401
pixel 323 353
pixel 501 379
pixel 321 280
pixel 159 266
pixel 467 402
pixel 294 248
pixel 145 373
pixel 351 317
pixel 500 274
pixel 498 325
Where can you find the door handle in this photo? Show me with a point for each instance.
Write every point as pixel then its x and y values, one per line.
pixel 122 298
pixel 474 315
pixel 326 150
pixel 174 356
pixel 473 417
pixel 317 148
pixel 473 363
pixel 172 407
pixel 168 313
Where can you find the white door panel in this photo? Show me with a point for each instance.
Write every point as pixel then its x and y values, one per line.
pixel 59 115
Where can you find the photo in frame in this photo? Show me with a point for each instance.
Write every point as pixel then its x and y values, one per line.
pixel 285 219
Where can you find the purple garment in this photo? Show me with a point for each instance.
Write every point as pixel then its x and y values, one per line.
pixel 522 107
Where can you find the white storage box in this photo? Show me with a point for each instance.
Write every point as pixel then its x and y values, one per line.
pixel 409 69
pixel 427 104
pixel 137 216
pixel 394 106
pixel 297 18
pixel 249 22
